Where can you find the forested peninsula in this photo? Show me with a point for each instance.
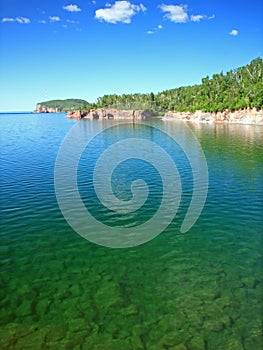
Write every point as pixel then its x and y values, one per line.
pixel 238 90
pixel 54 106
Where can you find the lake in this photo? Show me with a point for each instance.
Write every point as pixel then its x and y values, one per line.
pixel 67 282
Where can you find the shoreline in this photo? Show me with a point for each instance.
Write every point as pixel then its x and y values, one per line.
pixel 248 116
pixel 112 113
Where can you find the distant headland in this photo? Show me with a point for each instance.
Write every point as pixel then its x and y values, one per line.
pixel 236 96
pixel 56 106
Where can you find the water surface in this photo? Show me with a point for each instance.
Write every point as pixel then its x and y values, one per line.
pixel 200 290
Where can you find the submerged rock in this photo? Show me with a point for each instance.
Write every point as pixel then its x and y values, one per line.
pixel 107 295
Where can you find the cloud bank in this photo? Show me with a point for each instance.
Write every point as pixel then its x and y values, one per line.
pixel 122 11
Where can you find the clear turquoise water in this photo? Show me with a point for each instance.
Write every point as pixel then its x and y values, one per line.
pixel 200 290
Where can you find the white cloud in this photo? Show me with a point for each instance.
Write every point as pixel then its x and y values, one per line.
pixel 54 18
pixel 8 19
pixel 42 21
pixel 179 14
pixel 197 18
pixel 234 32
pixel 159 27
pixel 120 11
pixel 143 8
pixel 72 22
pixel 21 20
pixel 72 8
pixel 175 13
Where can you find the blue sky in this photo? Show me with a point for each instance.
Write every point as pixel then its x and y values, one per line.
pixel 85 49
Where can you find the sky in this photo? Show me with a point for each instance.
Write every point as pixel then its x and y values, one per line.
pixel 86 49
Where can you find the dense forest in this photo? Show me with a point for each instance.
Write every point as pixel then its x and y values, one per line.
pixel 70 104
pixel 236 89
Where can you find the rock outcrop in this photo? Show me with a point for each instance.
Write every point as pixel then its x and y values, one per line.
pixel 111 114
pixel 244 116
pixel 44 109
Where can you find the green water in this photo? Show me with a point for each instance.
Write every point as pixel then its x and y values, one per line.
pixel 199 290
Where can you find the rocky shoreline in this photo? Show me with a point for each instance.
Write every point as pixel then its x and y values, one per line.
pixel 244 116
pixel 111 114
pixel 44 109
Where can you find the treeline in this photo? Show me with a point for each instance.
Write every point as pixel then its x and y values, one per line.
pixel 236 89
